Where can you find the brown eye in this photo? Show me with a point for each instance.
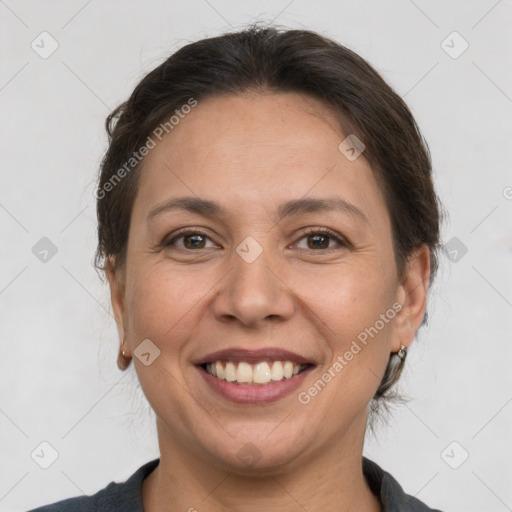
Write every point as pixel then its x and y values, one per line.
pixel 194 241
pixel 191 240
pixel 318 241
pixel 322 239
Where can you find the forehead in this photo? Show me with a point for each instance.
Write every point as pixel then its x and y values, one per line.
pixel 252 147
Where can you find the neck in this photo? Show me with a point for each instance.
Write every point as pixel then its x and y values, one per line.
pixel 331 481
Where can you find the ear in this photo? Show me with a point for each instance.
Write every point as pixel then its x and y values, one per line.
pixel 116 281
pixel 412 295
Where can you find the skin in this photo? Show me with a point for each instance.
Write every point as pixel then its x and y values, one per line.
pixel 250 153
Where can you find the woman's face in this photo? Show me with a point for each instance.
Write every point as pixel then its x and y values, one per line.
pixel 255 276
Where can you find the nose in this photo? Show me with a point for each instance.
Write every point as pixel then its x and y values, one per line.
pixel 254 293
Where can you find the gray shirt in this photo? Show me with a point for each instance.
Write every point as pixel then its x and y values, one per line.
pixel 127 496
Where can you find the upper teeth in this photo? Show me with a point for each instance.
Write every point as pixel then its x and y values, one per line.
pixel 259 373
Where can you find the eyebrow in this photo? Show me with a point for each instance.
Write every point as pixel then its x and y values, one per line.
pixel 290 208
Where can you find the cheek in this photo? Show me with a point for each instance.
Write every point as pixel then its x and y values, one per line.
pixel 348 298
pixel 353 309
pixel 347 304
pixel 161 305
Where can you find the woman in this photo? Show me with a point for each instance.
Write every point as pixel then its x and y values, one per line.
pixel 268 227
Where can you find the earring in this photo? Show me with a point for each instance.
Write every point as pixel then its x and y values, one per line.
pixel 123 361
pixel 402 353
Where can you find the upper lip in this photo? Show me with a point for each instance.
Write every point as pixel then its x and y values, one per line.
pixel 253 356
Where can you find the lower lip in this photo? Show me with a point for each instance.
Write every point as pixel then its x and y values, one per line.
pixel 255 393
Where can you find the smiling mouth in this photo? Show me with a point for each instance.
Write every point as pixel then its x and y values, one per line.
pixel 262 373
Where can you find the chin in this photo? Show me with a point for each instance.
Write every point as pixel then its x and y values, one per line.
pixel 254 451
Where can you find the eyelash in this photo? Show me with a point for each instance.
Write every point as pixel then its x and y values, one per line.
pixel 310 231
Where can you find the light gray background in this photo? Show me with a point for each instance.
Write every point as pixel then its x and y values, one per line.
pixel 59 380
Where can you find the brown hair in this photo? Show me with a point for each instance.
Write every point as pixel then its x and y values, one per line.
pixel 267 58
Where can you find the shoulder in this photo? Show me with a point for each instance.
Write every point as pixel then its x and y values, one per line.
pixel 80 503
pixel 390 492
pixel 115 497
